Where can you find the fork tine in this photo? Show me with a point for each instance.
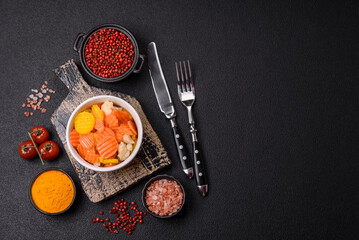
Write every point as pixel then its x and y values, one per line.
pixel 186 77
pixel 182 79
pixel 178 81
pixel 190 75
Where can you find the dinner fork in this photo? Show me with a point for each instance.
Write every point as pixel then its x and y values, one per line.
pixel 186 93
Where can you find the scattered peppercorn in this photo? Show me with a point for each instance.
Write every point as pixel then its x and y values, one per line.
pixel 123 219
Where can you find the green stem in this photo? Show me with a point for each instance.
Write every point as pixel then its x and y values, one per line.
pixel 38 132
pixel 37 150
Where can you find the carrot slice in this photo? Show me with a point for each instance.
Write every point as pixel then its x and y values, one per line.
pixel 132 126
pixel 87 140
pixel 111 120
pixel 105 132
pixel 92 157
pixel 118 134
pixel 107 147
pixel 122 116
pixel 99 126
pixel 125 129
pixel 74 138
pixel 82 150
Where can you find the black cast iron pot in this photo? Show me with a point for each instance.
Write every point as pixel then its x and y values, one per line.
pixel 80 48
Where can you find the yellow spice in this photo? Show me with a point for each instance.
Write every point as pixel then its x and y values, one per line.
pixel 52 191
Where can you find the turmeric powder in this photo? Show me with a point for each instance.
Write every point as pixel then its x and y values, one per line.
pixel 52 191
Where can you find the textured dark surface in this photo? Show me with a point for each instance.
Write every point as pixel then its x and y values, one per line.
pixel 277 96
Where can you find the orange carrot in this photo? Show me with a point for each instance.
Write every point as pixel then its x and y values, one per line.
pixel 99 126
pixel 105 132
pixel 118 134
pixel 74 138
pixel 111 120
pixel 132 126
pixel 122 116
pixel 87 140
pixel 82 150
pixel 92 157
pixel 125 129
pixel 107 147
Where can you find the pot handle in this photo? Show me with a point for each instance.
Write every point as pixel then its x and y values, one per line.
pixel 139 69
pixel 80 35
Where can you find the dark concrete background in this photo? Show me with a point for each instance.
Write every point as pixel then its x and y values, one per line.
pixel 277 93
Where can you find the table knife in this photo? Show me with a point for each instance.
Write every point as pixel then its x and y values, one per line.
pixel 166 106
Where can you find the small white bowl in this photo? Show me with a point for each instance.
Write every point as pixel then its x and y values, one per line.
pixel 100 99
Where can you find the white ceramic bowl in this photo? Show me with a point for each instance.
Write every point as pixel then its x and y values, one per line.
pixel 100 99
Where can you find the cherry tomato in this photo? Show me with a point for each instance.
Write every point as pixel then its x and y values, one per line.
pixel 39 134
pixel 49 150
pixel 27 150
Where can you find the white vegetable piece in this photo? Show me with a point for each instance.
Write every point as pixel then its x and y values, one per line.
pixel 107 107
pixel 127 155
pixel 129 147
pixel 127 139
pixel 118 108
pixel 123 152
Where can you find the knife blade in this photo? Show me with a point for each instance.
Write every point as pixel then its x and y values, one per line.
pixel 166 106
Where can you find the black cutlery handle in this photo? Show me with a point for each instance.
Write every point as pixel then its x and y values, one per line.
pixel 199 169
pixel 181 149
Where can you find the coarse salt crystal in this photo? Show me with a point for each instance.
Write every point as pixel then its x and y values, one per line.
pixel 34 100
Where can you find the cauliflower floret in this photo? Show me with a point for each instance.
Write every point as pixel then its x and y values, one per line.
pixel 127 139
pixel 123 152
pixel 107 107
pixel 129 147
